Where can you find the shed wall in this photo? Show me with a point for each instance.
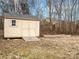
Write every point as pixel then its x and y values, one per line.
pixel 23 28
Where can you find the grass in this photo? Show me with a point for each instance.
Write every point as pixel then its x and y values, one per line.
pixel 47 48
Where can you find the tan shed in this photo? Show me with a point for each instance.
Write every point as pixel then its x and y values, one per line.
pixel 21 26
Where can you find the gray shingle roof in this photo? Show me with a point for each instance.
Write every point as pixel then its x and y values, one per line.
pixel 20 17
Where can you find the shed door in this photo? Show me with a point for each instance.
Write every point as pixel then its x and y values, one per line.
pixel 29 29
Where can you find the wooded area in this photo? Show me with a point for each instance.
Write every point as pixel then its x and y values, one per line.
pixel 64 12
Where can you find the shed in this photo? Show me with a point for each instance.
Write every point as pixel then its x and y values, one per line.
pixel 19 26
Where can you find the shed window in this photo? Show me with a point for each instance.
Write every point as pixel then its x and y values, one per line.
pixel 13 22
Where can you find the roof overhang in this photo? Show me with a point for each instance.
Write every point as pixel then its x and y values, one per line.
pixel 20 17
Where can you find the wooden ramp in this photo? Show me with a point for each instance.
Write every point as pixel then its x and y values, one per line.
pixel 31 39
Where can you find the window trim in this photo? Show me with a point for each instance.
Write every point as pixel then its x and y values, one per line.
pixel 13 23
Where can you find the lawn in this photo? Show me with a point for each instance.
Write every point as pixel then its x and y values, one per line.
pixel 55 47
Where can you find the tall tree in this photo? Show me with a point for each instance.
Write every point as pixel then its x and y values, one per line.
pixel 21 6
pixel 24 7
pixel 49 4
pixel 58 8
pixel 37 7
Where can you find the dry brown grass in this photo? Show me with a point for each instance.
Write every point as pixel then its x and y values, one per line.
pixel 55 47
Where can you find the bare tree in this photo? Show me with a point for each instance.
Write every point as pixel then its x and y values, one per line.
pixel 74 3
pixel 49 4
pixel 58 8
pixel 36 5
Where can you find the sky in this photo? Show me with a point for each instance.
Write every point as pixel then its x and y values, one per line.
pixel 33 10
pixel 1 10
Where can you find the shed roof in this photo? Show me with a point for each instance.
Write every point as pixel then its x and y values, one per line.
pixel 20 17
